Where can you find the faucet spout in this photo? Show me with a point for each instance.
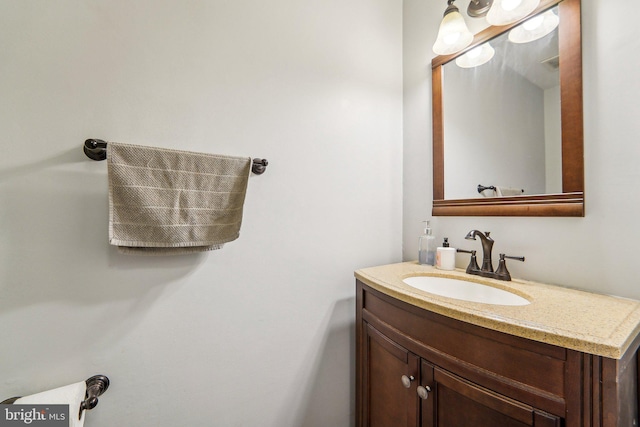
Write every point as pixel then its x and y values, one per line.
pixel 487 247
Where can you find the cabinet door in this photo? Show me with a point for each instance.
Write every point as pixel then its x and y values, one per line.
pixel 456 402
pixel 391 374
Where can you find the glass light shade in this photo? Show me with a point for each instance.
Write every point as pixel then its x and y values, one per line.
pixel 534 28
pixel 476 56
pixel 505 12
pixel 453 35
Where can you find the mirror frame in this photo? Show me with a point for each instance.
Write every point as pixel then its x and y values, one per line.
pixel 571 201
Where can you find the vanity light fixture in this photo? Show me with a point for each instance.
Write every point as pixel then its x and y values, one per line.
pixel 534 28
pixel 453 35
pixel 476 56
pixel 504 12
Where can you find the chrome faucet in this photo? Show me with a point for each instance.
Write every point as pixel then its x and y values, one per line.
pixel 487 247
pixel 487 266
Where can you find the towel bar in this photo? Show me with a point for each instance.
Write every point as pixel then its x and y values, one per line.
pixel 96 386
pixel 481 187
pixel 96 149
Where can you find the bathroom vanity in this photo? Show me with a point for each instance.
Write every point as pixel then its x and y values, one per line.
pixel 566 359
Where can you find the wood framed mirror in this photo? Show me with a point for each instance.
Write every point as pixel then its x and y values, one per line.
pixel 567 197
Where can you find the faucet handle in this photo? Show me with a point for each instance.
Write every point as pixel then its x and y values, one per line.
pixel 501 272
pixel 473 262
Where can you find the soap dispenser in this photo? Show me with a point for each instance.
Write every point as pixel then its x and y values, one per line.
pixel 427 246
pixel 446 256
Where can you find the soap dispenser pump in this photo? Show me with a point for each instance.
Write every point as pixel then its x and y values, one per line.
pixel 427 246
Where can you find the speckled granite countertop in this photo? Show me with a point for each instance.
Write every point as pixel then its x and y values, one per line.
pixel 592 323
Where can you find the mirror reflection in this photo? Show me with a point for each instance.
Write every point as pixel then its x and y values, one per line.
pixel 501 109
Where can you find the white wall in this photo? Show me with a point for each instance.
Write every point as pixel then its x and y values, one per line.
pixel 260 333
pixel 598 252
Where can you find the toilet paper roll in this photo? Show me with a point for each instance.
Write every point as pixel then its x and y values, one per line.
pixel 72 395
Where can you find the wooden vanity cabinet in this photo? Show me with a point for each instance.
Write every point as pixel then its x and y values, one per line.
pixel 388 401
pixel 416 368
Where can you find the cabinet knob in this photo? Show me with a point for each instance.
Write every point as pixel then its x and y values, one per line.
pixel 423 392
pixel 406 381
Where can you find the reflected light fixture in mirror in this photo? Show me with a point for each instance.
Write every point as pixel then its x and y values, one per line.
pixel 476 56
pixel 453 35
pixel 503 12
pixel 535 28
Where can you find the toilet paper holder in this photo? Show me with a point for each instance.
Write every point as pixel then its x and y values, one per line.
pixel 96 386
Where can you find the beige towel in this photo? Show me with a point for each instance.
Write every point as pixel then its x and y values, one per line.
pixel 171 202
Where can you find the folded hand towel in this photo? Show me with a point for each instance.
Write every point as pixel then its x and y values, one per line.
pixel 165 201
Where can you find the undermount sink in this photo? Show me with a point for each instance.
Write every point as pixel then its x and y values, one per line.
pixel 464 290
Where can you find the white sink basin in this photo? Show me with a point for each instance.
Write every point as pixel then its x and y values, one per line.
pixel 464 290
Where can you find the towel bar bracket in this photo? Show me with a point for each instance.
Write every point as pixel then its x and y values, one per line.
pixel 259 166
pixel 96 149
pixel 96 385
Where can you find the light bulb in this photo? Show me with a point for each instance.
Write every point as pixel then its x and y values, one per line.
pixel 475 52
pixel 535 28
pixel 510 4
pixel 477 56
pixel 451 38
pixel 533 23
pixel 504 12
